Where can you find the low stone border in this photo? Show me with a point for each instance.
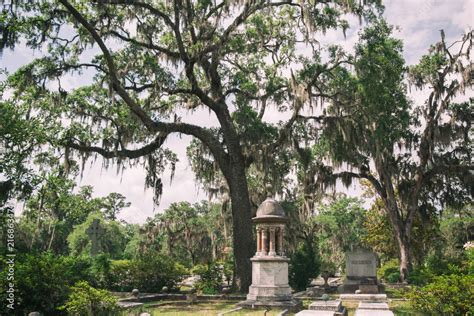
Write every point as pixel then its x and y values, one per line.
pixel 230 311
pixel 147 297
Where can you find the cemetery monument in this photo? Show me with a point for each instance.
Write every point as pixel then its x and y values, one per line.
pixel 270 265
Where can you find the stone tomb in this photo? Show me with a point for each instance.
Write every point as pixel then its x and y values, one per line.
pixel 270 265
pixel 361 273
pixel 373 309
pixel 324 308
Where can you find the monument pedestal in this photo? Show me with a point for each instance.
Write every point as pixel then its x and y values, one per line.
pixel 269 279
pixel 270 284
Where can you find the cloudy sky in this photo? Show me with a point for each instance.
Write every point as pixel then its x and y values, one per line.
pixel 418 22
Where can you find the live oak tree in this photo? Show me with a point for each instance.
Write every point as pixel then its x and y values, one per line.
pixel 415 156
pixel 145 64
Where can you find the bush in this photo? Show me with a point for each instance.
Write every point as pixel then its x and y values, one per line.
pixel 389 271
pixel 151 273
pixel 84 300
pixel 392 277
pixel 211 276
pixel 119 276
pixel 446 295
pixel 42 281
pixel 304 266
pixel 148 274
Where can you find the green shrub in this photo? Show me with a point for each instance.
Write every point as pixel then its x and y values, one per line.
pixel 420 277
pixel 304 266
pixel 389 271
pixel 43 280
pixel 151 273
pixel 84 300
pixel 211 276
pixel 120 278
pixel 392 277
pixel 446 295
pixel 470 260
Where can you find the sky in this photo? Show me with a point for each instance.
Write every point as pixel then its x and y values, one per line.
pixel 418 24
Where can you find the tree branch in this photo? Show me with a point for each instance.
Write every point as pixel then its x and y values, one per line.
pixel 124 153
pixel 134 107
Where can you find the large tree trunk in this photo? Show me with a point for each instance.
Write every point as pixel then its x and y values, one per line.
pixel 242 229
pixel 405 260
pixel 403 242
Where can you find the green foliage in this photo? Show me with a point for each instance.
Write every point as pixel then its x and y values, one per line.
pixel 420 276
pixel 446 295
pixel 470 259
pixel 189 234
pixel 112 241
pixel 84 300
pixel 20 138
pixel 304 266
pixel 210 277
pixel 379 232
pixel 389 271
pixel 341 229
pixel 148 273
pixel 42 281
pixel 152 272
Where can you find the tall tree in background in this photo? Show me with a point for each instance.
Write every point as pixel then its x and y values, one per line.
pixel 145 63
pixel 414 156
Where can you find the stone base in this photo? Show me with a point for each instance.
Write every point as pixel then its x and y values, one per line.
pixel 324 308
pixel 373 309
pixel 362 288
pixel 335 306
pixel 364 297
pixel 291 305
pixel 269 293
pixel 371 305
pixel 269 279
pixel 308 312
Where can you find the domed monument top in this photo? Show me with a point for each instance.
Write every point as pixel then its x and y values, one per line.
pixel 270 207
pixel 270 210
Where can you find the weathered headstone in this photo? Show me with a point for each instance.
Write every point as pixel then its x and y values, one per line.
pixel 361 272
pixel 95 232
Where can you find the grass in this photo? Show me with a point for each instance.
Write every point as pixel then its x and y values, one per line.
pixel 399 308
pixel 182 308
pixel 199 309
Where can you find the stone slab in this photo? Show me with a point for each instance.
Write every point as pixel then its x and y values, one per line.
pixel 308 312
pixel 364 297
pixel 373 306
pixel 332 305
pixel 129 304
pixel 292 305
pixel 368 312
pixel 368 289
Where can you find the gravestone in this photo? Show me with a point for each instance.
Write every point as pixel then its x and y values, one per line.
pixel 95 232
pixel 361 272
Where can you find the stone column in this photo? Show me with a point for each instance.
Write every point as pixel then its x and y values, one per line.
pixel 280 241
pixel 264 241
pixel 272 242
pixel 259 241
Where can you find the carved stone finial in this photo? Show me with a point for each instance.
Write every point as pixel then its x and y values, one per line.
pixel 269 189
